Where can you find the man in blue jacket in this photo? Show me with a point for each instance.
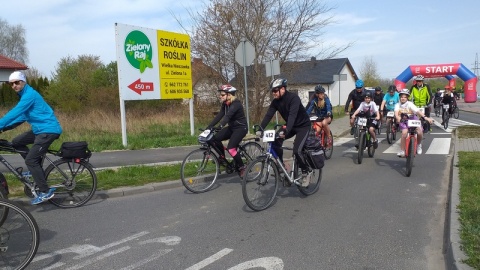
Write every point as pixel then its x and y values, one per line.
pixel 33 109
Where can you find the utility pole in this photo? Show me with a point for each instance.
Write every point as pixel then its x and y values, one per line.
pixel 475 66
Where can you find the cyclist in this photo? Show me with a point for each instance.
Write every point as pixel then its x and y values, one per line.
pixel 448 98
pixel 378 98
pixel 293 112
pixel 356 95
pixel 33 109
pixel 390 100
pixel 437 98
pixel 322 107
pixel 407 109
pixel 370 109
pixel 231 113
pixel 421 95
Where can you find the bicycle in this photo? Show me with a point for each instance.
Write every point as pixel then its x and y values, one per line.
pixel 392 128
pixel 72 176
pixel 201 167
pixel 364 138
pixel 19 236
pixel 438 106
pixel 325 141
pixel 425 124
pixel 411 143
pixel 446 115
pixel 455 111
pixel 260 184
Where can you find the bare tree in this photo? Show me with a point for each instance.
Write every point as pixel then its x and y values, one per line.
pixel 278 29
pixel 12 42
pixel 369 73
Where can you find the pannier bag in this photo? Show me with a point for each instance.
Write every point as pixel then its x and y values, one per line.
pixel 74 150
pixel 315 158
pixel 313 141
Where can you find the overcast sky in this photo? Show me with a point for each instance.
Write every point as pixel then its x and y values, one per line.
pixel 396 34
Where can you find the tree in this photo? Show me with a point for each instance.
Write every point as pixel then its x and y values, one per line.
pixel 284 30
pixel 13 42
pixel 369 73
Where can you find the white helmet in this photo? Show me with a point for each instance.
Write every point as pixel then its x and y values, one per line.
pixel 419 78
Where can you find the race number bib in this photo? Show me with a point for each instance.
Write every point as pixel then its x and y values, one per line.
pixel 205 133
pixel 414 123
pixel 268 136
pixel 390 114
pixel 362 121
pixel 446 106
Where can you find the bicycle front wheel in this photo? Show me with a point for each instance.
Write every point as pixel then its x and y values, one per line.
pixel 260 185
pixel 446 116
pixel 410 155
pixel 361 146
pixel 250 151
pixel 75 182
pixel 19 236
pixel 199 171
pixel 388 131
pixel 315 179
pixel 328 146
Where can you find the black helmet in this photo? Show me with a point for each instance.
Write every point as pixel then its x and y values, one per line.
pixel 319 89
pixel 392 88
pixel 378 88
pixel 368 94
pixel 276 83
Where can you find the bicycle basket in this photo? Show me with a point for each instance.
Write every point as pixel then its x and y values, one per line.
pixel 314 158
pixel 74 150
pixel 205 136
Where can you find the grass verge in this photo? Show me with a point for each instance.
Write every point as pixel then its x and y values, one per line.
pixel 469 207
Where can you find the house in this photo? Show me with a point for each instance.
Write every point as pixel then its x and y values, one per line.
pixel 7 66
pixel 205 82
pixel 303 76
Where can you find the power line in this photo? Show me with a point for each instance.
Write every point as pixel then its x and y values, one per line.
pixel 475 65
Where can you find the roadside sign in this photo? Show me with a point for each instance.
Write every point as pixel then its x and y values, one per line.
pixel 245 53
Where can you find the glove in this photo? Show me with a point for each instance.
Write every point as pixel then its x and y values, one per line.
pixel 329 113
pixel 258 133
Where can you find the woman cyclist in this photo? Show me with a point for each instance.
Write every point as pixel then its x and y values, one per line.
pixel 231 113
pixel 406 109
pixel 321 106
pixel 448 98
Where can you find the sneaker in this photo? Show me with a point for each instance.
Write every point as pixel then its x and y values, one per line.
pixel 241 171
pixel 401 153
pixel 306 179
pixel 351 131
pixel 419 149
pixel 41 197
pixel 375 144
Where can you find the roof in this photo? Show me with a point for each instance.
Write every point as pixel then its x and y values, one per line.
pixel 7 63
pixel 315 71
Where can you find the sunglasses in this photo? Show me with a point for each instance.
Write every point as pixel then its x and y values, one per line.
pixel 15 83
pixel 275 90
pixel 223 95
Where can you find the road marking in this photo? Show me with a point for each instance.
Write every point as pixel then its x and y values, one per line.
pixel 267 263
pixel 210 259
pixel 147 260
pixel 99 258
pixel 439 146
pixel 167 240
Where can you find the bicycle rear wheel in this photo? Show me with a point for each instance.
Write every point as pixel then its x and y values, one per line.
pixel 260 185
pixel 456 112
pixel 75 181
pixel 19 236
pixel 3 195
pixel 328 146
pixel 410 156
pixel 199 171
pixel 251 150
pixel 315 179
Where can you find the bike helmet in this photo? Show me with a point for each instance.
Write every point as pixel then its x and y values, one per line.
pixel 359 84
pixel 405 92
pixel 319 89
pixel 276 83
pixel 378 88
pixel 419 78
pixel 392 88
pixel 368 94
pixel 227 88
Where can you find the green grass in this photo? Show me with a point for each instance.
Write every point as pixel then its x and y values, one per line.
pixel 469 207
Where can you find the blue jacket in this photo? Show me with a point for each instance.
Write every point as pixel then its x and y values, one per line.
pixel 320 112
pixel 33 109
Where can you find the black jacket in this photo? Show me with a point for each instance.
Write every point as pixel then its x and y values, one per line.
pixel 291 109
pixel 233 114
pixel 357 97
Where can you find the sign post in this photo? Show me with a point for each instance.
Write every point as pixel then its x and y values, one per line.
pixel 339 77
pixel 272 68
pixel 244 55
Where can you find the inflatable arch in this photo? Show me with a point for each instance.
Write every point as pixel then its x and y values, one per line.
pixel 442 70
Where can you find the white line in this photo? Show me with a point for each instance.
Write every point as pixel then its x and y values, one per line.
pixel 99 258
pixel 147 260
pixel 210 259
pixel 439 146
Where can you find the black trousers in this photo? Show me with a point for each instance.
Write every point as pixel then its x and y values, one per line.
pixel 33 156
pixel 301 134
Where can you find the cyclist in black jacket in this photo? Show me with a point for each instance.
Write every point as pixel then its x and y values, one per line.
pixel 357 96
pixel 293 112
pixel 231 113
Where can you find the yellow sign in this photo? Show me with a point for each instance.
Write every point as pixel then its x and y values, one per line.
pixel 175 66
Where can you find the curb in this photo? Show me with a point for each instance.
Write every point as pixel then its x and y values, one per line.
pixel 454 254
